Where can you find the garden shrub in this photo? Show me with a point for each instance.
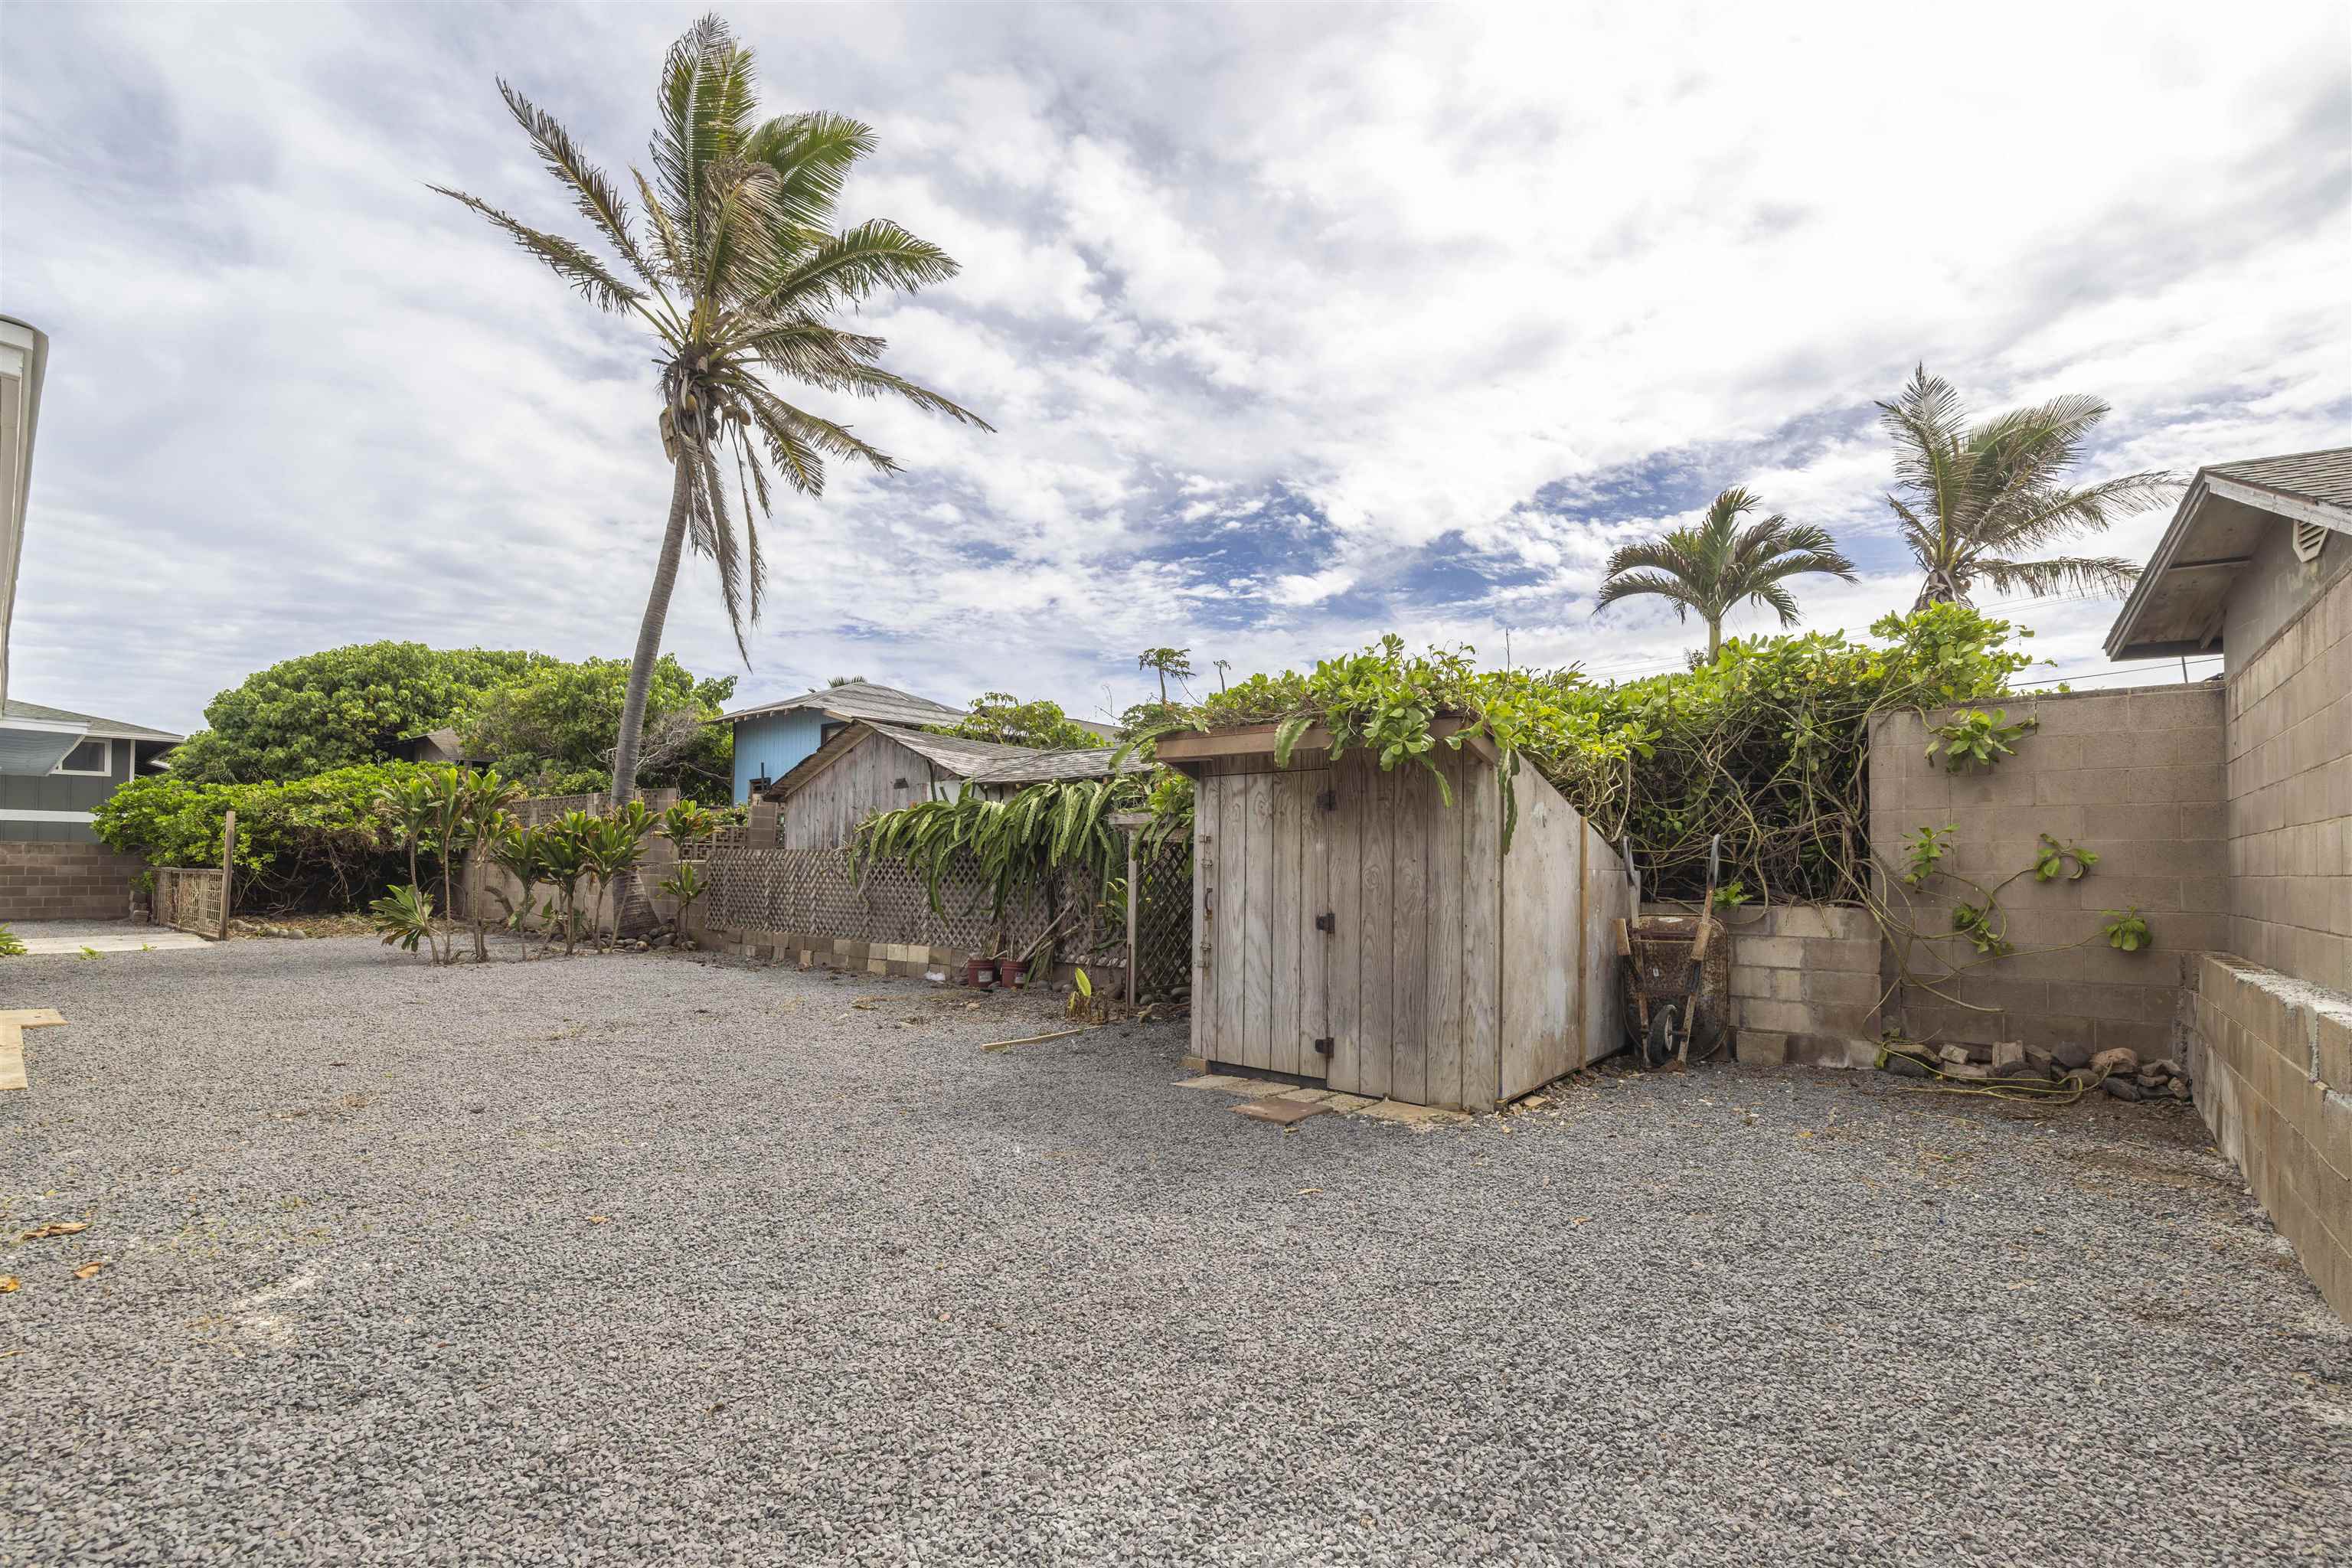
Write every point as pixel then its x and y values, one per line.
pixel 313 843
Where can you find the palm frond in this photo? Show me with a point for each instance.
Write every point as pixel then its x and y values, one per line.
pixel 1631 585
pixel 569 261
pixel 2079 574
pixel 849 267
pixel 2056 514
pixel 598 198
pixel 812 154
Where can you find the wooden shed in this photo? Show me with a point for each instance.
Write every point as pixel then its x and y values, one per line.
pixel 1354 930
pixel 865 768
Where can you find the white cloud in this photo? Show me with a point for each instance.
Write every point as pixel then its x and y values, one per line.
pixel 1279 313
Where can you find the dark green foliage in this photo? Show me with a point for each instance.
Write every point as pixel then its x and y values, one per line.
pixel 315 843
pixel 553 726
pixel 997 716
pixel 339 707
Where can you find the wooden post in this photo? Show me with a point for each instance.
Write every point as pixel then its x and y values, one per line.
pixel 1134 933
pixel 228 867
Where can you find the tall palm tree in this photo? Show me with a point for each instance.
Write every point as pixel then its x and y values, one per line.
pixel 1978 495
pixel 1712 568
pixel 737 267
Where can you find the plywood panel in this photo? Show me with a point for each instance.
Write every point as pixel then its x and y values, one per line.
pixel 1342 828
pixel 1448 834
pixel 1230 915
pixel 1373 1020
pixel 1482 939
pixel 1315 898
pixel 1257 931
pixel 1206 841
pixel 1608 897
pixel 1287 928
pixel 1417 801
pixel 1541 894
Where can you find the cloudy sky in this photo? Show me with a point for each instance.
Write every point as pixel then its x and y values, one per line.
pixel 1297 325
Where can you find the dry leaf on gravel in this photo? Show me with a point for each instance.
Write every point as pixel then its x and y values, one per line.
pixel 60 1227
pixel 600 1219
pixel 88 1269
pixel 9 1282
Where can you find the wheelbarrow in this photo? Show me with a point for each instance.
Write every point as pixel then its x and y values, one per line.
pixel 1663 959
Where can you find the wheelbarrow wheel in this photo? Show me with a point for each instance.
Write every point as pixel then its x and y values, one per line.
pixel 1658 1046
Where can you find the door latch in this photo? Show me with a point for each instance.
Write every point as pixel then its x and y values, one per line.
pixel 1328 920
pixel 1328 800
pixel 1323 1046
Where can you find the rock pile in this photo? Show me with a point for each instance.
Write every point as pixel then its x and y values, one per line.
pixel 2119 1072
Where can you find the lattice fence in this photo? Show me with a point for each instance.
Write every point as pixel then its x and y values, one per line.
pixel 189 898
pixel 1163 923
pixel 811 892
pixel 539 810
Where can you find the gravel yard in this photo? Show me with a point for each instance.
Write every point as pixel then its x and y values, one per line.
pixel 650 1259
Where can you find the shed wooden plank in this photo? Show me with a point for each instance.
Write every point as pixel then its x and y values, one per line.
pixel 1315 898
pixel 1416 800
pixel 12 1057
pixel 1288 926
pixel 1608 899
pixel 1373 1029
pixel 1205 834
pixel 1448 837
pixel 1341 828
pixel 1230 913
pixel 1482 943
pixel 1260 911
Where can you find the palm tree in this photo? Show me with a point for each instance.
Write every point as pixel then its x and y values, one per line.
pixel 1168 661
pixel 737 267
pixel 1714 567
pixel 1981 494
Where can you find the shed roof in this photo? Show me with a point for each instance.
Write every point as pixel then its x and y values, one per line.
pixel 91 724
pixel 979 762
pixel 1193 752
pixel 861 699
pixel 2228 509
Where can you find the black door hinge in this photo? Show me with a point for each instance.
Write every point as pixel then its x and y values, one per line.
pixel 1327 922
pixel 1323 1046
pixel 1328 800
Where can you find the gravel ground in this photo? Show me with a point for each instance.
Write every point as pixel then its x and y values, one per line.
pixel 862 1293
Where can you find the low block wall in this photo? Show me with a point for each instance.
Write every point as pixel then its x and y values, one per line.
pixel 1804 982
pixel 65 881
pixel 2273 1060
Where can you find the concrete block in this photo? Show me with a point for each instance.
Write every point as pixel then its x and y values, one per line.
pixel 1780 1018
pixel 1838 986
pixel 1770 952
pixel 1761 1048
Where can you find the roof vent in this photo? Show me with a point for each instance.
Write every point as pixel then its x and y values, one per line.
pixel 2310 539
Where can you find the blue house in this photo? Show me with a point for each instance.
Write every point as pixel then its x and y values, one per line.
pixel 774 738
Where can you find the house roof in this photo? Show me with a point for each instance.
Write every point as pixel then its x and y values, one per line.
pixel 2227 512
pixel 91 725
pixel 859 700
pixel 978 762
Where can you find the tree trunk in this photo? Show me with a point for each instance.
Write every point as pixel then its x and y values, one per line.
pixel 641 666
pixel 1714 640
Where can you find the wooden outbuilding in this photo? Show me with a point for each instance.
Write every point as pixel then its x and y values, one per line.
pixel 865 768
pixel 1355 931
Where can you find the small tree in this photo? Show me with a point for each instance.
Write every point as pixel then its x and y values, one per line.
pixel 405 915
pixel 1712 568
pixel 563 859
pixel 612 850
pixel 487 796
pixel 520 852
pixel 1168 661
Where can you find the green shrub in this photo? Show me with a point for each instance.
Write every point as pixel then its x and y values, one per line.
pixel 312 842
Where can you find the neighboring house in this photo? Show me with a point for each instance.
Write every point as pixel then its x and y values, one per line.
pixel 444 746
pixel 24 358
pixel 56 766
pixel 2258 564
pixel 774 738
pixel 864 768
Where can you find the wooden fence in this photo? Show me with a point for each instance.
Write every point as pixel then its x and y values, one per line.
pixel 199 898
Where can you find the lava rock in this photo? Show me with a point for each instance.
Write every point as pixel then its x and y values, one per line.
pixel 2071 1056
pixel 2121 1059
pixel 2123 1088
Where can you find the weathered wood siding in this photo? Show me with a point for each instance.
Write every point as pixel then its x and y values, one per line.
pixel 1543 979
pixel 1608 897
pixel 873 775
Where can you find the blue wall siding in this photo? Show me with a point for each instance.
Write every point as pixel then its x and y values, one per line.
pixel 766 746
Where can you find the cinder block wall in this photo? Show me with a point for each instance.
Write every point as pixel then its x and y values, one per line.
pixel 2272 1057
pixel 65 881
pixel 2289 786
pixel 1804 982
pixel 2136 775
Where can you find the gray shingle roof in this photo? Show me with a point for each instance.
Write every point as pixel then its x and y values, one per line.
pixel 1037 767
pixel 860 700
pixel 2323 475
pixel 98 727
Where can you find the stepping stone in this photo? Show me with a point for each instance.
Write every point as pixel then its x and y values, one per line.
pixel 1420 1118
pixel 1346 1104
pixel 1280 1110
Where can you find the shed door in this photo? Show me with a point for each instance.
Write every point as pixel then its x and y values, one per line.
pixel 1263 856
